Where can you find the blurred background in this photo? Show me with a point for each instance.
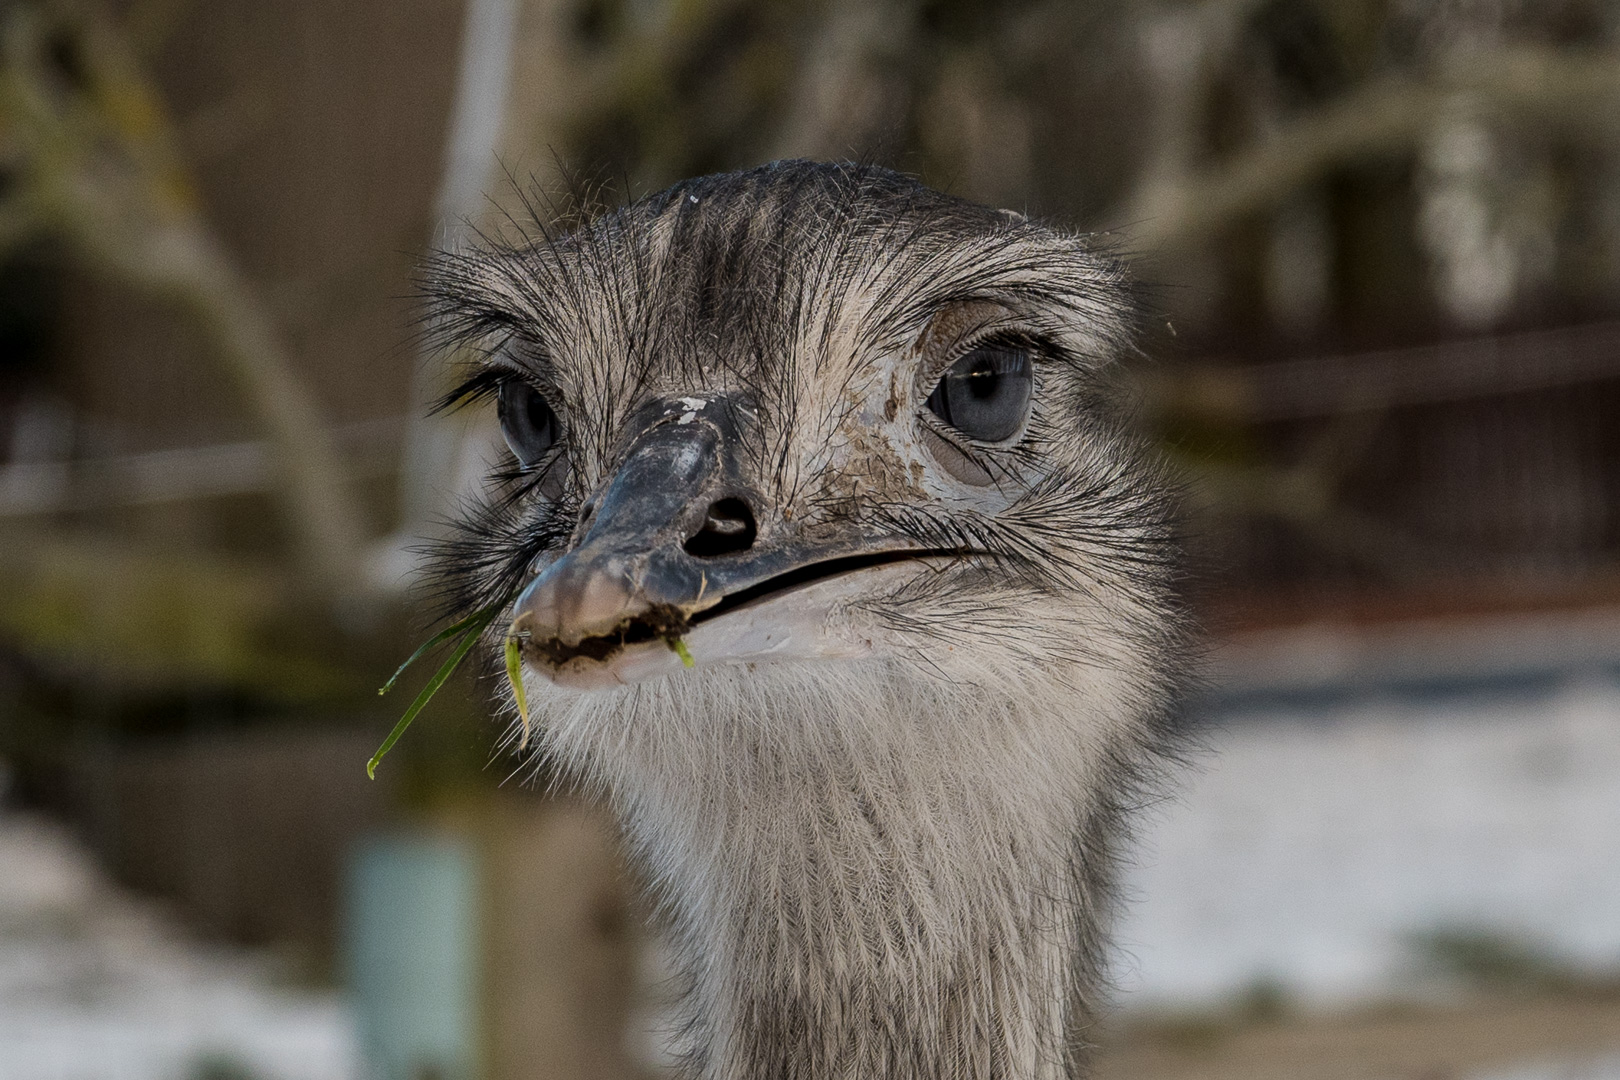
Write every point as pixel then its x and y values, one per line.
pixel 1384 240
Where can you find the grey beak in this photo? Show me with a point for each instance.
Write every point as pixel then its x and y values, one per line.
pixel 678 534
pixel 632 561
pixel 669 536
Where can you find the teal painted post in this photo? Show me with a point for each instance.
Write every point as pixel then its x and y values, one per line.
pixel 412 953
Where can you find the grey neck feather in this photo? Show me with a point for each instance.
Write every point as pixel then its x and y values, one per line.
pixel 824 947
pixel 847 902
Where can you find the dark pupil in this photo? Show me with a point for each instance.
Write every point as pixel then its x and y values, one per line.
pixel 527 422
pixel 984 381
pixel 985 395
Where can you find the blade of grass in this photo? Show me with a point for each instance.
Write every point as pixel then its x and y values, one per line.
pixel 514 676
pixel 471 634
pixel 679 645
pixel 487 615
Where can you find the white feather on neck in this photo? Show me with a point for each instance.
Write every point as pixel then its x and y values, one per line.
pixel 869 868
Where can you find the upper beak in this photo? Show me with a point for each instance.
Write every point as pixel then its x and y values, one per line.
pixel 631 563
pixel 679 530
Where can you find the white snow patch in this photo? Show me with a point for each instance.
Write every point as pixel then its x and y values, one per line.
pixel 1310 845
pixel 1603 1068
pixel 94 986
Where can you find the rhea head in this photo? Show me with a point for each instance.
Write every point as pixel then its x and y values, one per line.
pixel 836 568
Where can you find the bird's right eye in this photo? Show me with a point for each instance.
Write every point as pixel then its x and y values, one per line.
pixel 527 421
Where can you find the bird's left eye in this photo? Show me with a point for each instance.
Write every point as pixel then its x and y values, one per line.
pixel 527 421
pixel 985 394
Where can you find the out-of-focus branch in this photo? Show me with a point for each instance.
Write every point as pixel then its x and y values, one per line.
pixel 93 161
pixel 1386 116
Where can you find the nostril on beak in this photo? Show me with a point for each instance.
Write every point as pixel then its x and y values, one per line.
pixel 586 511
pixel 728 528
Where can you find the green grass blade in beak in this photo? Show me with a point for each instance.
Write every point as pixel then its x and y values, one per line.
pixel 471 628
pixel 487 615
pixel 514 676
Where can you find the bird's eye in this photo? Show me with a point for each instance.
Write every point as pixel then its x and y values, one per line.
pixel 527 421
pixel 985 394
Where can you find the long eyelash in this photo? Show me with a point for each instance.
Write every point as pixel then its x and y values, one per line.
pixel 1008 341
pixel 1037 346
pixel 1002 361
pixel 482 385
pixel 512 356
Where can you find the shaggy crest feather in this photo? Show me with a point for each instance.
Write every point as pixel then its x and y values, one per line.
pixel 894 860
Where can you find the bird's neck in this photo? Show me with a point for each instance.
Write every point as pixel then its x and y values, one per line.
pixel 871 912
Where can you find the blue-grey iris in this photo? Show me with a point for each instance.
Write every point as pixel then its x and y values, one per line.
pixel 985 394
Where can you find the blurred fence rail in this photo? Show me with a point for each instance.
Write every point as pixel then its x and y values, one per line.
pixel 370 450
pixel 1467 368
pixel 1489 462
